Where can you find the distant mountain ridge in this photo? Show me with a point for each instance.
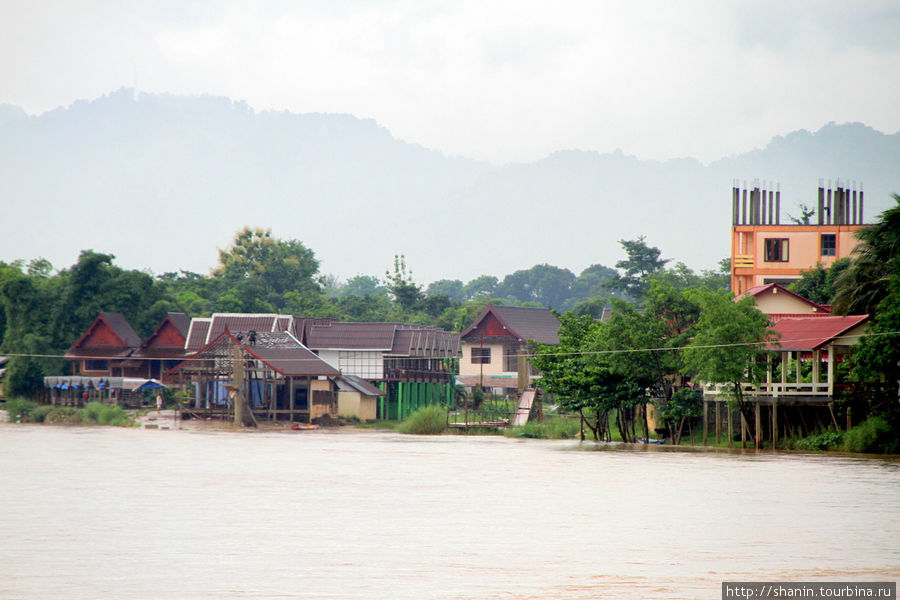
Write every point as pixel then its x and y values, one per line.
pixel 162 180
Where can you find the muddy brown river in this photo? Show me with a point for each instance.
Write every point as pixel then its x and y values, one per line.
pixel 97 513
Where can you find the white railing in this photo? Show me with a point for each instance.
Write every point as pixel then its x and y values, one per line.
pixel 771 389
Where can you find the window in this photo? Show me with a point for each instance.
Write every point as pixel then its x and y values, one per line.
pixel 828 244
pixel 510 358
pixel 481 356
pixel 96 365
pixel 776 250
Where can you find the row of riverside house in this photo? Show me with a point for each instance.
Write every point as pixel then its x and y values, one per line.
pixel 291 367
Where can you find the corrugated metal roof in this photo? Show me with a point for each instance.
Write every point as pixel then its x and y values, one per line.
pixel 357 384
pixel 812 333
pixel 197 332
pixel 239 323
pixel 351 336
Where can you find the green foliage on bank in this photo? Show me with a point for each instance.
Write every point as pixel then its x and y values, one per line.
pixel 428 420
pixel 874 435
pixel 551 428
pixel 22 410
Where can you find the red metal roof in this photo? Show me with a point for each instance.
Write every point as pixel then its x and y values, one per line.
pixel 812 333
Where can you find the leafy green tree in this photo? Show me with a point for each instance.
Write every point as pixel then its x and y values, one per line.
pixel 544 284
pixel 404 291
pixel 817 284
pixel 866 282
pixel 649 341
pixel 259 270
pixel 481 287
pixel 453 289
pixel 363 285
pixel 642 262
pixel 686 403
pixel 728 341
pixel 593 307
pixel 581 382
pixel 871 284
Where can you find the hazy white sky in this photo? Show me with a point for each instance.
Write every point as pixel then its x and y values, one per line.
pixel 502 81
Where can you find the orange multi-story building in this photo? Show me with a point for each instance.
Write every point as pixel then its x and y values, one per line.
pixel 764 250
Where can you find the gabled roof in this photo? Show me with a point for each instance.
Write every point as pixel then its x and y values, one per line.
pixel 239 323
pixel 812 333
pixel 523 323
pixel 775 288
pixel 178 321
pixel 279 351
pixel 109 336
pixel 197 332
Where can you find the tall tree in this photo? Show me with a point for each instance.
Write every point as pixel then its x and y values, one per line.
pixel 871 284
pixel 544 284
pixel 259 270
pixel 650 339
pixel 642 261
pixel 481 287
pixel 817 284
pixel 866 282
pixel 728 341
pixel 582 381
pixel 404 291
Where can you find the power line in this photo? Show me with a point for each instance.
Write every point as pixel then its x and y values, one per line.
pixel 577 353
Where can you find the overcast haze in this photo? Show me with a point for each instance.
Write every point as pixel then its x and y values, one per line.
pixel 500 81
pixel 534 99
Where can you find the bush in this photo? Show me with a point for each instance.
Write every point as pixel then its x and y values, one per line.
pixel 428 420
pixel 20 410
pixel 823 441
pixel 872 435
pixel 555 428
pixel 96 413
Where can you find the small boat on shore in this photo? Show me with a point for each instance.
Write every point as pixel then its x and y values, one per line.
pixel 302 426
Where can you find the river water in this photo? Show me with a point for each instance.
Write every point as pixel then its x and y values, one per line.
pixel 95 513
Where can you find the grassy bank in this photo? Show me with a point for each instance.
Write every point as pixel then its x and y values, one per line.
pixel 21 410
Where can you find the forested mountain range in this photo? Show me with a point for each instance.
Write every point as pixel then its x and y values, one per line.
pixel 161 181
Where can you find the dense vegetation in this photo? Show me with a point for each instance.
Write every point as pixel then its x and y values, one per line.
pixel 670 334
pixel 45 311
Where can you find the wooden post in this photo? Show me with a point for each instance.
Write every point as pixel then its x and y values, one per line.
pixel 237 366
pixel 718 422
pixel 743 428
pixel 831 371
pixel 774 422
pixel 730 424
pixel 756 413
pixel 705 419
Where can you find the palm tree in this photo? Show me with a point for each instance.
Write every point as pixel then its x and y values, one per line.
pixel 865 283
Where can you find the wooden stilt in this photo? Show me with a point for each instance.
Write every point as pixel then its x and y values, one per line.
pixel 758 425
pixel 705 419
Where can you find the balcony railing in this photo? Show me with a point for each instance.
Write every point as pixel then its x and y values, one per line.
pixel 743 261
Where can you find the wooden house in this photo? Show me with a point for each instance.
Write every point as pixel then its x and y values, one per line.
pixel 279 377
pixel 106 348
pixel 409 363
pixel 495 345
